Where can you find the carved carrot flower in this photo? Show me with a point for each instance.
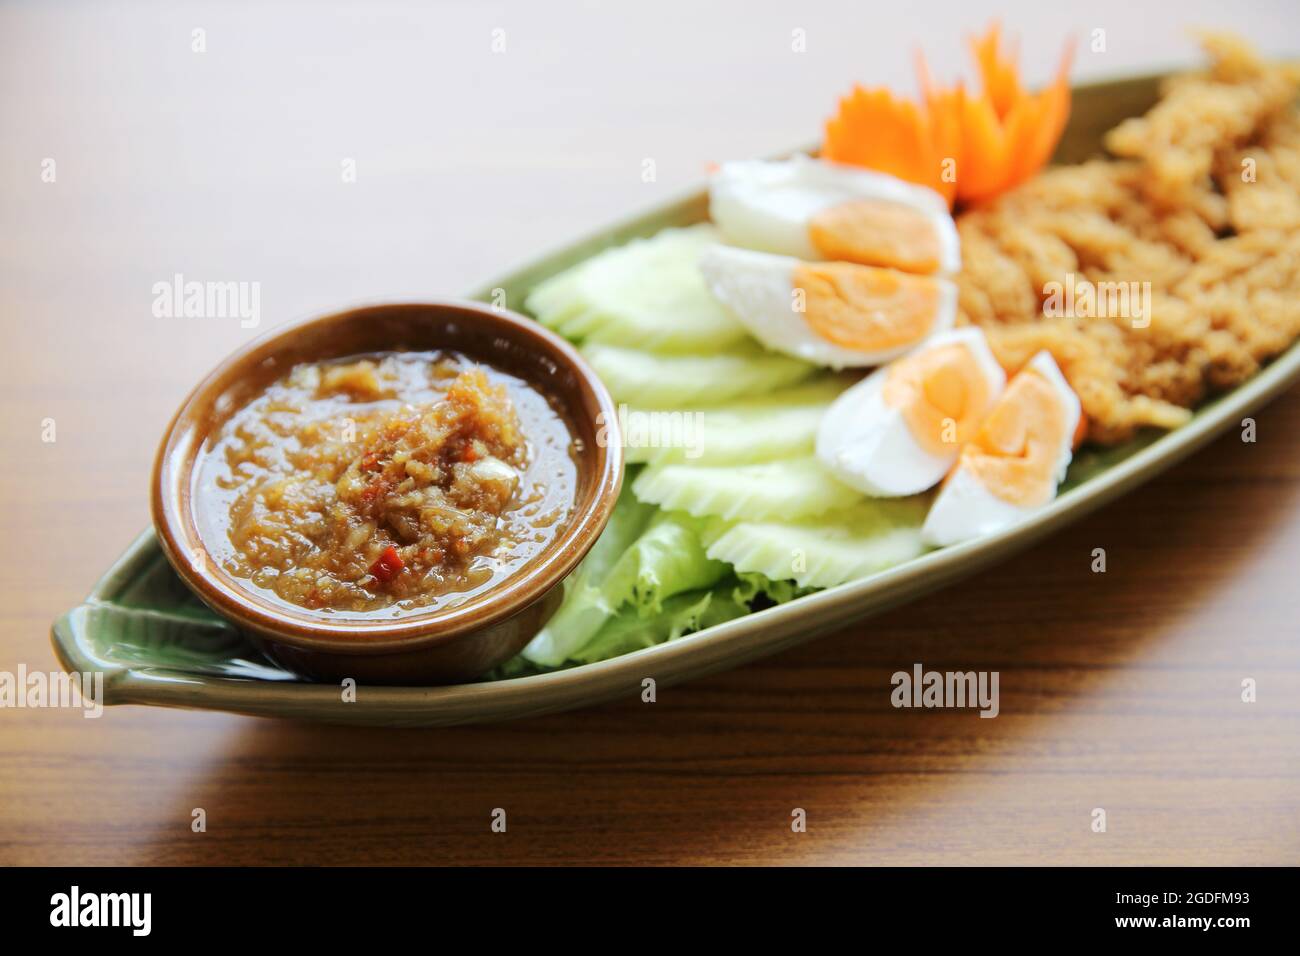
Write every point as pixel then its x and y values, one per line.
pixel 967 146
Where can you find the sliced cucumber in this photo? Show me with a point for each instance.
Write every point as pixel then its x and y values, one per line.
pixel 834 548
pixel 773 490
pixel 646 380
pixel 782 424
pixel 648 294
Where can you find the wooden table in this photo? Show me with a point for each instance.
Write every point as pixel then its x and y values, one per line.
pixel 1118 690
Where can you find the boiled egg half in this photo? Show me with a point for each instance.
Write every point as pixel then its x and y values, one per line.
pixel 830 313
pixel 812 210
pixel 1015 461
pixel 899 430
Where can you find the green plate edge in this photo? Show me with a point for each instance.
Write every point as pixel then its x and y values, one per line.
pixel 211 671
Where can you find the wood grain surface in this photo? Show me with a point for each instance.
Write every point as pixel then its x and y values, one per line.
pixel 1119 690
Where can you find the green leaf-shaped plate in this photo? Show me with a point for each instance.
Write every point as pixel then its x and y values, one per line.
pixel 158 644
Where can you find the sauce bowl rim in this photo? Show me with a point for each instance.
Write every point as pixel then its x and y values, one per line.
pixel 173 515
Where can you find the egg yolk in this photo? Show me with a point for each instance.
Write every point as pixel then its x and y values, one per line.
pixel 864 308
pixel 942 394
pixel 1014 454
pixel 876 232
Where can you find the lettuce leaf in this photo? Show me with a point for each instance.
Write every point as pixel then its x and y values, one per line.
pixel 667 559
pixel 644 557
pixel 754 588
pixel 585 607
pixel 678 615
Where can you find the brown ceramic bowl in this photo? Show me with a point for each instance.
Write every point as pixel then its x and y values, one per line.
pixel 438 645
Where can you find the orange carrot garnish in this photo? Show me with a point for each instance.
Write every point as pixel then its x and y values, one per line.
pixel 901 143
pixel 944 108
pixel 967 147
